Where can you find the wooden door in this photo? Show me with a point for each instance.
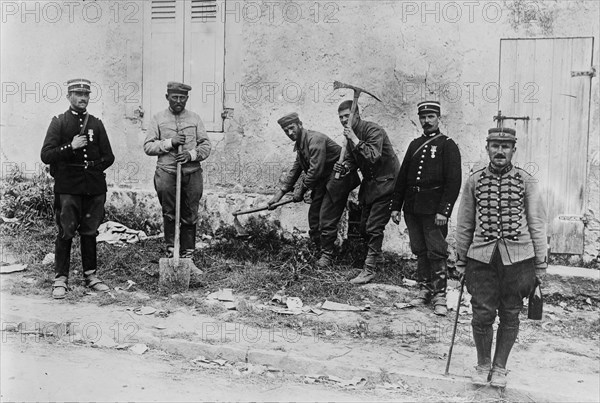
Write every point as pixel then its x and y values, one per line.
pixel 548 80
pixel 185 41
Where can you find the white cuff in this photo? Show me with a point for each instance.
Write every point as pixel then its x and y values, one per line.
pixel 193 154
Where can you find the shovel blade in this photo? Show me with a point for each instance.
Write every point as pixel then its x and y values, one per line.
pixel 175 278
pixel 239 228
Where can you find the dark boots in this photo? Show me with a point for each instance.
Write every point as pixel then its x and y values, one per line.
pixel 62 262
pixel 188 240
pixel 89 263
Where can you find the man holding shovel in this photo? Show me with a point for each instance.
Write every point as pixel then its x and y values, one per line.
pixel 369 149
pixel 177 136
pixel 316 154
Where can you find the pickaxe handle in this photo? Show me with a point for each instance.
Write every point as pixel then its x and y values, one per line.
pixel 350 119
pixel 254 210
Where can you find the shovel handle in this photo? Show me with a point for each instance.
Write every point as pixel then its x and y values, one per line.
pixel 177 240
pixel 254 210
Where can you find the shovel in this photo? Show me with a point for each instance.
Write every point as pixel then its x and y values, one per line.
pixel 174 273
pixel 241 231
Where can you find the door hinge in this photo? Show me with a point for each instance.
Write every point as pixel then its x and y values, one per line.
pixel 591 73
pixel 572 217
pixel 500 117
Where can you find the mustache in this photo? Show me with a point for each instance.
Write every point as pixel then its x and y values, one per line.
pixel 500 156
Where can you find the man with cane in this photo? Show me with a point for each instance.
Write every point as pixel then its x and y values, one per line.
pixel 501 248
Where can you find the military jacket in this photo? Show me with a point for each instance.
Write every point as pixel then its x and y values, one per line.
pixel 164 126
pixel 316 153
pixel 501 210
pixel 376 159
pixel 81 171
pixel 429 181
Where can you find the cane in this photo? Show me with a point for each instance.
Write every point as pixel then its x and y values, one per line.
pixel 462 286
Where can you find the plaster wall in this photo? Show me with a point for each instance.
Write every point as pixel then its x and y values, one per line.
pixel 280 57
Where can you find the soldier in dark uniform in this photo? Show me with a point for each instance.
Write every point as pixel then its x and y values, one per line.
pixel 369 149
pixel 427 188
pixel 78 151
pixel 316 154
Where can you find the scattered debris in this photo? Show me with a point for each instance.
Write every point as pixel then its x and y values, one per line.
pixel 402 305
pixel 48 259
pixel 409 282
pixel 226 295
pixel 114 233
pixel 159 327
pixel 9 220
pixel 294 303
pixel 12 268
pixel 139 348
pixel 336 306
pixel 130 284
pixel 104 341
pixel 202 245
pixel 144 310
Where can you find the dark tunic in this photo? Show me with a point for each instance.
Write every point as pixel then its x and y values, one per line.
pixel 81 171
pixel 429 182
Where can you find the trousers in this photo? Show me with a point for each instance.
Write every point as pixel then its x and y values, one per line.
pixel 497 289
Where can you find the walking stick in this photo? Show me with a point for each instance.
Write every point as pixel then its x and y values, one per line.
pixel 462 286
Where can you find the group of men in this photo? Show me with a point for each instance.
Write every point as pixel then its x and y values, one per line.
pixel 501 229
pixel 425 187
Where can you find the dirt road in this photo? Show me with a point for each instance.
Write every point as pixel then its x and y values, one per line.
pixel 42 371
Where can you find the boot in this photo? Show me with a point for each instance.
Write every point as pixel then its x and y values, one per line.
pixel 367 274
pixel 498 377
pixel 439 305
pixel 481 375
pixel 422 298
pixel 326 259
pixel 506 335
pixel 62 257
pixel 59 288
pixel 483 336
pixel 188 240
pixel 89 263
pixel 169 227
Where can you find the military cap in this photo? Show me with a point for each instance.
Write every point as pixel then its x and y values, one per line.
pixel 79 85
pixel 429 106
pixel 502 133
pixel 179 88
pixel 288 119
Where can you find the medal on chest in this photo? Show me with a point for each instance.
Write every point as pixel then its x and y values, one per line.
pixel 91 134
pixel 433 150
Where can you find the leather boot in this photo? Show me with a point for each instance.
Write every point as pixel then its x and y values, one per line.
pixel 62 257
pixel 90 264
pixel 169 229
pixel 439 274
pixel 506 335
pixel 188 240
pixel 326 259
pixel 483 335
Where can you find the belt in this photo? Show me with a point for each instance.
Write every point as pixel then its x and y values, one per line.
pixel 418 189
pixel 84 165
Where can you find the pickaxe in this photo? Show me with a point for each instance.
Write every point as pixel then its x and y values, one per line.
pixel 357 90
